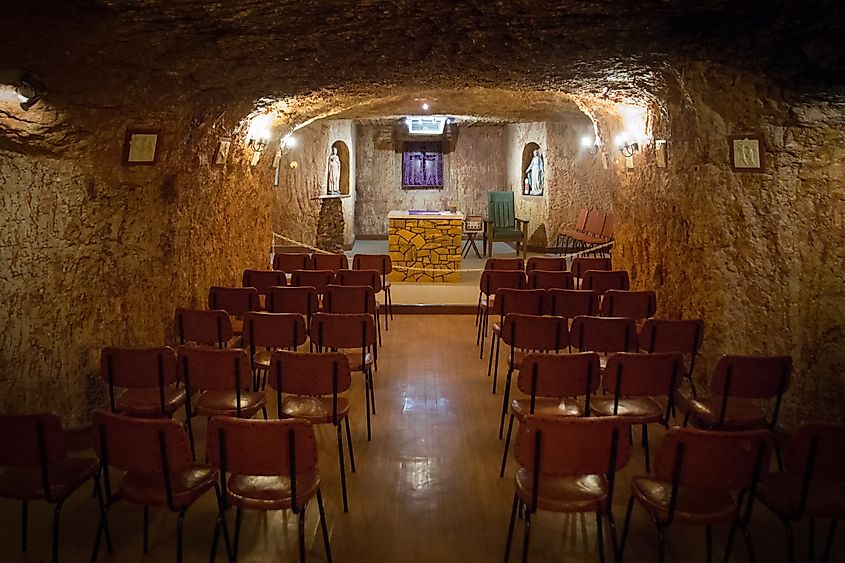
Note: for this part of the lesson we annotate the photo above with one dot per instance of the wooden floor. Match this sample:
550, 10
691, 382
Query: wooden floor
426, 490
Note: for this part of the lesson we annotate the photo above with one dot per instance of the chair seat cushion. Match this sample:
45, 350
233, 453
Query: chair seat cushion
781, 492
546, 407
741, 413
576, 493
148, 488
224, 403
318, 410
271, 492
146, 401
261, 359
508, 234
25, 483
355, 360
694, 506
636, 410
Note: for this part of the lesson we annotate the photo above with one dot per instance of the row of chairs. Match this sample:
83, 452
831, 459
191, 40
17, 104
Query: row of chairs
593, 227
580, 264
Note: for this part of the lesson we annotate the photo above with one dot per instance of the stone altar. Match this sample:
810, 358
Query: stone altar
425, 239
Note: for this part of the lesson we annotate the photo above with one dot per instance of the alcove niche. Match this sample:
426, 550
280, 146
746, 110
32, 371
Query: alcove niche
343, 153
527, 155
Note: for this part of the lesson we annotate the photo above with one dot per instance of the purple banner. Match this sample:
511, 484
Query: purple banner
422, 165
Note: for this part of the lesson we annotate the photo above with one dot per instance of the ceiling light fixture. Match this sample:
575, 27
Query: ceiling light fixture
29, 91
425, 106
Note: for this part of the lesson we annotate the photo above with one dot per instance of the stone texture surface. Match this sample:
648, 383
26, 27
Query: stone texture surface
433, 245
330, 225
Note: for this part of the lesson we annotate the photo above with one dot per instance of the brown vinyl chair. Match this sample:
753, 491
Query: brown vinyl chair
571, 303
549, 279
267, 465
527, 334
237, 301
384, 266
525, 301
506, 264
581, 265
565, 236
354, 299
318, 279
218, 382
567, 464
684, 336
148, 377
333, 262
812, 485
308, 386
262, 280
355, 336
636, 381
370, 278
604, 280
203, 327
158, 470
301, 300
637, 305
604, 335
490, 283
546, 264
553, 382
288, 262
265, 333
34, 465
702, 477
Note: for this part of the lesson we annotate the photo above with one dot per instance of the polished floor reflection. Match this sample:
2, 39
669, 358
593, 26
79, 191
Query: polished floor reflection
426, 488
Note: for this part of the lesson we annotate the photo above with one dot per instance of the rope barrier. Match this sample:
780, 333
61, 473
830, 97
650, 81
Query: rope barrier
437, 270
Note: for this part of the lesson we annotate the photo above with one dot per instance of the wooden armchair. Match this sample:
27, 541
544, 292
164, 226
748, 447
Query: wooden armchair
502, 223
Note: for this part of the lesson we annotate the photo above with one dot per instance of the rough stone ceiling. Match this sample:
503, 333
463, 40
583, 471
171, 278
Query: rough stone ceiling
112, 53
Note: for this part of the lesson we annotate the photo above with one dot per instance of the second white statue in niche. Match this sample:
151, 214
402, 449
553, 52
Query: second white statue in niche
534, 174
334, 173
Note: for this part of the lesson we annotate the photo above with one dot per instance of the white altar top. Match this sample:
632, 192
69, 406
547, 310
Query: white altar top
422, 214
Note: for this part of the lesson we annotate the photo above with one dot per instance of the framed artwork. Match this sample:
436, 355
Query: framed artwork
747, 153
141, 147
222, 152
660, 153
422, 166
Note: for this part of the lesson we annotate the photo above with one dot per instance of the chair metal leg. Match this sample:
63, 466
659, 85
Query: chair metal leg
324, 527
342, 468
505, 398
661, 542
264, 412
190, 429
372, 392
510, 528
749, 544
729, 544
526, 535
507, 446
490, 359
790, 541
625, 526
390, 306
349, 443
484, 320
146, 529
98, 492
238, 517
811, 540
302, 534
828, 544
24, 524
600, 536
180, 524
708, 533
56, 514
645, 449
367, 406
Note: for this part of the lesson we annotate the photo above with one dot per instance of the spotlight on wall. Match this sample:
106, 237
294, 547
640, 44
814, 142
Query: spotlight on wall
627, 147
259, 133
288, 142
589, 144
29, 91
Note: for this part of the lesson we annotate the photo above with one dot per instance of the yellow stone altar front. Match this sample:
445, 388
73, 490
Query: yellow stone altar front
429, 240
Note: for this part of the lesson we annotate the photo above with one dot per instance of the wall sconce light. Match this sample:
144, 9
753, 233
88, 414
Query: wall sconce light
626, 147
288, 142
29, 91
590, 145
259, 133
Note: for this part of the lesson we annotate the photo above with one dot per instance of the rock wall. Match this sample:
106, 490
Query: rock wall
474, 167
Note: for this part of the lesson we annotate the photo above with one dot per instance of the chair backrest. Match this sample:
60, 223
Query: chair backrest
289, 261
378, 262
261, 447
607, 229
544, 263
261, 280
581, 265
350, 299
500, 209
211, 328
819, 443
535, 332
274, 330
493, 280
333, 262
604, 280
343, 330
236, 301
318, 279
360, 277
662, 335
301, 300
751, 377
302, 373
22, 436
712, 460
135, 444
216, 370
138, 367
604, 334
559, 375
595, 221
572, 445
504, 264
571, 303
651, 375
527, 301
546, 279
633, 304
581, 220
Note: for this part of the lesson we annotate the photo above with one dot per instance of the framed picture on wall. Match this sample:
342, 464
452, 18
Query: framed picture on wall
141, 147
747, 153
222, 151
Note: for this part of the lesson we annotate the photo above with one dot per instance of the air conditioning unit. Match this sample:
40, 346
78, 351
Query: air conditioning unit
425, 124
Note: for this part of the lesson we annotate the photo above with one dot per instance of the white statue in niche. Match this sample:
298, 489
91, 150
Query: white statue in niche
534, 174
334, 173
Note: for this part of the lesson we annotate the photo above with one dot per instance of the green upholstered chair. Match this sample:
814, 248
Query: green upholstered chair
502, 223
